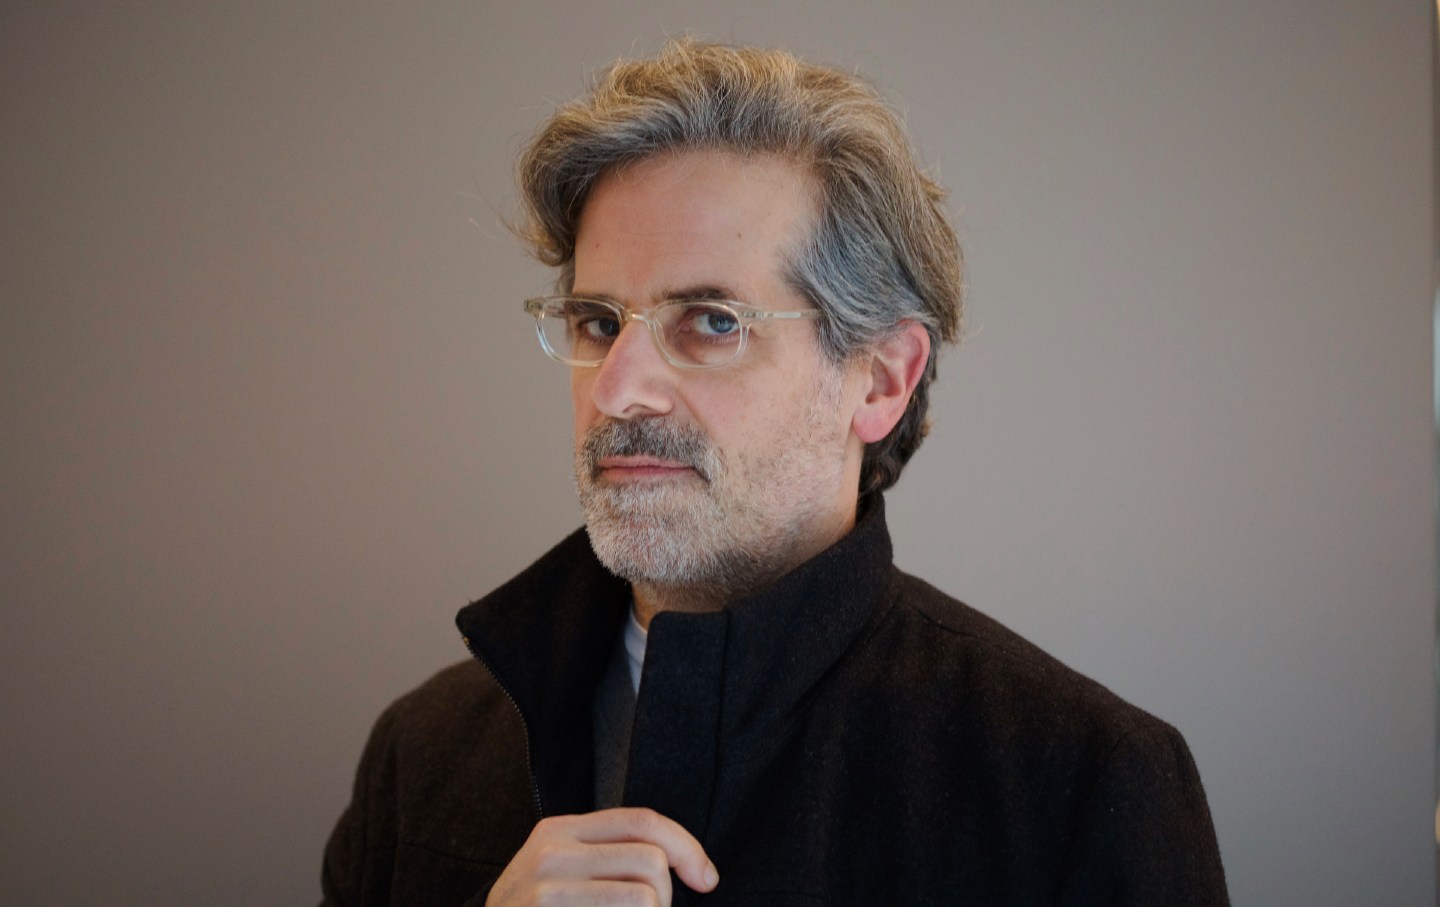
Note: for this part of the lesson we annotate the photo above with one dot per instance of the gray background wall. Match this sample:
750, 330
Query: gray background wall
271, 412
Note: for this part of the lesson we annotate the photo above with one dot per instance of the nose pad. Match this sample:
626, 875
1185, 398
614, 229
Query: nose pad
634, 380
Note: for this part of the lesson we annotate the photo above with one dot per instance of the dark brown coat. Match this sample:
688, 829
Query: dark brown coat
850, 736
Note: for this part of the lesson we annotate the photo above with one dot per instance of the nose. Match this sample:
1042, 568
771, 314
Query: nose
634, 380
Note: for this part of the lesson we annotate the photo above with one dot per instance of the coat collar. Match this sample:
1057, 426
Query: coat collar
712, 682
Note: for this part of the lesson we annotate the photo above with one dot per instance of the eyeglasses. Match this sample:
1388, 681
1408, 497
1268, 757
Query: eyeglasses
690, 333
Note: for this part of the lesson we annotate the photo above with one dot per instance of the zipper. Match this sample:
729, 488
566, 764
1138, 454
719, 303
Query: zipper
529, 753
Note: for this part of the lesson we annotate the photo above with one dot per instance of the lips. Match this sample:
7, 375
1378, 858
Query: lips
639, 449
640, 467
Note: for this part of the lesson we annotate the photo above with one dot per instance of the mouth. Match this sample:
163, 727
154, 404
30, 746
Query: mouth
637, 468
650, 452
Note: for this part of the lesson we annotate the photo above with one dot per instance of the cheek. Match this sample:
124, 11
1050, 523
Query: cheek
744, 421
581, 400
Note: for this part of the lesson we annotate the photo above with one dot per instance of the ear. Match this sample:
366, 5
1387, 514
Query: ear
896, 364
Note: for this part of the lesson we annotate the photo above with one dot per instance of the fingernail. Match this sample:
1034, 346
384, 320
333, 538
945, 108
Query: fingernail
712, 875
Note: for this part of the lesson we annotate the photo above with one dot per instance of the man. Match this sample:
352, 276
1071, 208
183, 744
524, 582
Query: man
723, 676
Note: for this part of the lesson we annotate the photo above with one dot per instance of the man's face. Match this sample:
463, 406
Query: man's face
716, 481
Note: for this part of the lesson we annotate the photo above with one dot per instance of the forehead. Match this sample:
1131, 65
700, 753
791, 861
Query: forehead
701, 217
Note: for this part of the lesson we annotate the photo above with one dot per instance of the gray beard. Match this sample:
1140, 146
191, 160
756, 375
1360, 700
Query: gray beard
679, 534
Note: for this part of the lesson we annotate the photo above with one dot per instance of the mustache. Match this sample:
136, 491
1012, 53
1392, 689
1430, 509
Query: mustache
653, 437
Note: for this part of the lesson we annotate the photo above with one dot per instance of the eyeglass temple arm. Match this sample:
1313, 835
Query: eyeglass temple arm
764, 316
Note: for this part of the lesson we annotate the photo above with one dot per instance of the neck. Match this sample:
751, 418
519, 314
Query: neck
652, 598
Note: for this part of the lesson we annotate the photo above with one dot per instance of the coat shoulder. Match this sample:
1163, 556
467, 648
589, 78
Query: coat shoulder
451, 695
970, 654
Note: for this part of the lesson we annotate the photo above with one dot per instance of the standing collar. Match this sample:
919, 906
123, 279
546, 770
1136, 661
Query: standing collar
548, 633
782, 640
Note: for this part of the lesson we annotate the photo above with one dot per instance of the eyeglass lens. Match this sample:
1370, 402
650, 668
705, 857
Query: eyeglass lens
695, 333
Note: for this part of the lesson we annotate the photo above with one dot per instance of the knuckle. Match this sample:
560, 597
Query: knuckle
654, 862
553, 824
550, 859
632, 896
543, 829
544, 894
646, 822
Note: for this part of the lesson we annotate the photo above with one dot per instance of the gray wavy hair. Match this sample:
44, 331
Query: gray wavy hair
882, 251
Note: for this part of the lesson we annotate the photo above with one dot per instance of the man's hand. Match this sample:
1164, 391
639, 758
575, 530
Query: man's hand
615, 856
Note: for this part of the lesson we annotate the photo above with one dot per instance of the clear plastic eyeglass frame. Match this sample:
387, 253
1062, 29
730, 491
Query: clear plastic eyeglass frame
689, 333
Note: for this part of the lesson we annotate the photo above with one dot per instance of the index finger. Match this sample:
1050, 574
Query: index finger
633, 823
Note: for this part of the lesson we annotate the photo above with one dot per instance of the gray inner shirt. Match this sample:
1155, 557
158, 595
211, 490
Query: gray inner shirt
613, 714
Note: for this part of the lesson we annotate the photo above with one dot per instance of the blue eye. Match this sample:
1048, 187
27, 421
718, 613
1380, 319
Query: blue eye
713, 321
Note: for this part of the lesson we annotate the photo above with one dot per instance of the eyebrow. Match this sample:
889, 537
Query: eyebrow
704, 291
711, 291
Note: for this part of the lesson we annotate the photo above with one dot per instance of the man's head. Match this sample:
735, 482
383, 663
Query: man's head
733, 174
880, 252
